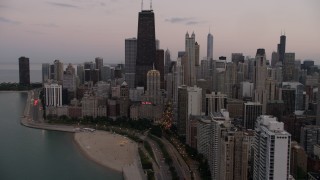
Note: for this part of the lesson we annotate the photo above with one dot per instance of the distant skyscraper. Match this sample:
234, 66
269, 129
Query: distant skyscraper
288, 66
24, 71
80, 73
58, 71
260, 94
282, 48
271, 150
106, 73
130, 61
318, 102
237, 58
310, 136
99, 62
89, 65
146, 46
45, 72
274, 59
159, 65
189, 64
167, 59
210, 46
153, 86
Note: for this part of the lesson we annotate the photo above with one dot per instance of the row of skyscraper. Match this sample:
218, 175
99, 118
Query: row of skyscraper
242, 114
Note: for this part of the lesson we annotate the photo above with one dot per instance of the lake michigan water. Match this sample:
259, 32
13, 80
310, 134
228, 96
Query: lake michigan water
27, 153
9, 72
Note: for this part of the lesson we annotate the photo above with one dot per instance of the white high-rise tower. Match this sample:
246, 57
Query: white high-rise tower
271, 149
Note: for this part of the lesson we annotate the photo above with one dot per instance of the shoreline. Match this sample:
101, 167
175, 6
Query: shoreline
112, 151
128, 163
8, 91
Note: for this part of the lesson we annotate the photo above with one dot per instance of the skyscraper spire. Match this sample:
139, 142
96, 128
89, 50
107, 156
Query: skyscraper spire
141, 5
150, 4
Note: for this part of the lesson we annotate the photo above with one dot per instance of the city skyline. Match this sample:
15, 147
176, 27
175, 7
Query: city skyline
76, 31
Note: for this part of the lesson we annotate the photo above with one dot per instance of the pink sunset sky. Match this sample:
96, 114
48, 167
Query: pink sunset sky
80, 30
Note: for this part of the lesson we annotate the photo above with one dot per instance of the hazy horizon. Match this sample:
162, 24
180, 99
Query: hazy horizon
77, 30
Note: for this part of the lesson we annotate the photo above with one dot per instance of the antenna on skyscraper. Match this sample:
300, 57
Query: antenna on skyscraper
150, 4
141, 5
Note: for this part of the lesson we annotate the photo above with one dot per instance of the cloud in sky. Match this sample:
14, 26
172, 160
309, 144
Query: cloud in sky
9, 21
184, 20
47, 25
62, 5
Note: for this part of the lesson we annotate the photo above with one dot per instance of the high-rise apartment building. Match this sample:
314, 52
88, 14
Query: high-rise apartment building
310, 136
215, 102
235, 155
252, 110
130, 61
292, 96
24, 71
189, 103
271, 150
146, 47
53, 94
210, 46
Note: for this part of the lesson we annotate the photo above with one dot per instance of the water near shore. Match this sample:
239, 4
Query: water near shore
27, 153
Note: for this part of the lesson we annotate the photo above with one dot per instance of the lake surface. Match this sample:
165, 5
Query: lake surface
27, 153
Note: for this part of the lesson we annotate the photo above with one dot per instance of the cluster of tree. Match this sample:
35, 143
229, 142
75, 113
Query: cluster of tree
139, 124
166, 156
204, 168
156, 130
146, 164
123, 132
149, 149
18, 87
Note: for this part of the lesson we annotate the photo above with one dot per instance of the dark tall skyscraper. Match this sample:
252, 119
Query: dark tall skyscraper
146, 46
282, 48
24, 71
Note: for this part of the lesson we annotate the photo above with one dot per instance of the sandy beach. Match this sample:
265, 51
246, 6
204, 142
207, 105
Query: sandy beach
111, 150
